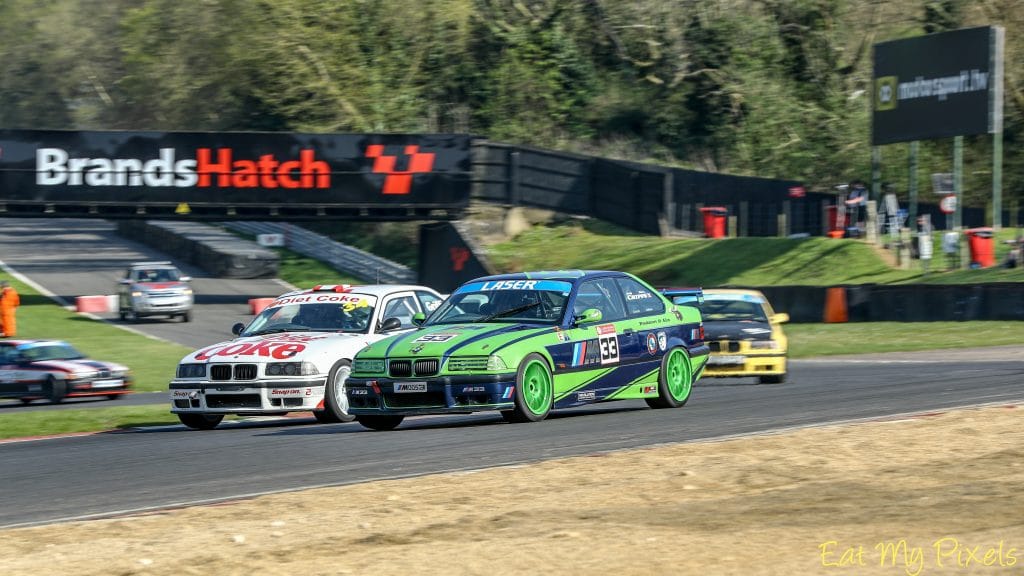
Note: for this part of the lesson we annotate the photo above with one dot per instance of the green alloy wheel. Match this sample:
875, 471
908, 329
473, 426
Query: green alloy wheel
674, 381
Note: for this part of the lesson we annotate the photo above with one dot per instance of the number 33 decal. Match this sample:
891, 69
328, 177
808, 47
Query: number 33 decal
609, 343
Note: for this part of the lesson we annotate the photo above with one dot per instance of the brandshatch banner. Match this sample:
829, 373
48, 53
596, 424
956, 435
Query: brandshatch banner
244, 174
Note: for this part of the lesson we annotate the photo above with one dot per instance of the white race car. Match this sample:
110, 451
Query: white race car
295, 355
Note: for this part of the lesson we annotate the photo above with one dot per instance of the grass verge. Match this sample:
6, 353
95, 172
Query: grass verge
591, 244
807, 340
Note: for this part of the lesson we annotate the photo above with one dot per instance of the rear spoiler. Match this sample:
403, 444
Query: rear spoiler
684, 296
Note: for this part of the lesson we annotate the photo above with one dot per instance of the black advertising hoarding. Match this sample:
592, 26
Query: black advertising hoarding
447, 260
938, 85
234, 174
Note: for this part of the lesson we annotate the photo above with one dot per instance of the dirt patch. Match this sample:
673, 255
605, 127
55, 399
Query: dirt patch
936, 494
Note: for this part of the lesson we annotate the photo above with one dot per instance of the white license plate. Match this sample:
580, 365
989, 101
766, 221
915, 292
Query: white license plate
108, 383
725, 360
410, 386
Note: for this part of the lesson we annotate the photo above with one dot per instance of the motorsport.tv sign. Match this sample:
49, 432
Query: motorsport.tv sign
224, 173
938, 85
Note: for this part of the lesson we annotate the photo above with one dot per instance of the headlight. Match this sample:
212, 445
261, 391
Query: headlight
81, 375
191, 370
764, 345
372, 366
495, 362
291, 369
187, 291
137, 293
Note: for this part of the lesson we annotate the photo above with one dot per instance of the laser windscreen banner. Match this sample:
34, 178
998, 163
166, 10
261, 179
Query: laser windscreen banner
225, 173
938, 85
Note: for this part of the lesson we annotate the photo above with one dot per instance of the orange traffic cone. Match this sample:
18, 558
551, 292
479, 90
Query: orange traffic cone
835, 305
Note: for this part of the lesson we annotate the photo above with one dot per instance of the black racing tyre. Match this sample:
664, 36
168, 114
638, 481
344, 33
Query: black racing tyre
324, 417
57, 389
772, 379
186, 316
122, 315
114, 396
26, 401
675, 380
201, 421
335, 399
535, 390
380, 421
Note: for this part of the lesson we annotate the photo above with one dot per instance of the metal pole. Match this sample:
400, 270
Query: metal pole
958, 191
997, 180
876, 173
912, 185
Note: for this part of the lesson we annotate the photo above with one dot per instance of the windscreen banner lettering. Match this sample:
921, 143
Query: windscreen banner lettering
489, 286
268, 349
356, 301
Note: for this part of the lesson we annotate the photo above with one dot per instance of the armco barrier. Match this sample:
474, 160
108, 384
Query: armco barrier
216, 251
903, 302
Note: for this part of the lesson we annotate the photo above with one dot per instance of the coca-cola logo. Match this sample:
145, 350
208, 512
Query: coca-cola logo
279, 350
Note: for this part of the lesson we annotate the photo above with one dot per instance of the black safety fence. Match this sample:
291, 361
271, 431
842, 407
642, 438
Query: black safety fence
234, 175
903, 302
663, 200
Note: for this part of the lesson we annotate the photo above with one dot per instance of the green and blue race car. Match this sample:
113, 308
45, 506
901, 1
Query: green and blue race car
528, 343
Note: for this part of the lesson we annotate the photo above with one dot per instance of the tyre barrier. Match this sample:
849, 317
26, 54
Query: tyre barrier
256, 305
96, 304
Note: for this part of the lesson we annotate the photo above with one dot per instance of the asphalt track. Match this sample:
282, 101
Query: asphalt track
79, 477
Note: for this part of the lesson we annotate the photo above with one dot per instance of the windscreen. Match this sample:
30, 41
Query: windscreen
531, 301
315, 313
55, 351
732, 307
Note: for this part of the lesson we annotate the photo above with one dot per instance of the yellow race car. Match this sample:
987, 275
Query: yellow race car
743, 332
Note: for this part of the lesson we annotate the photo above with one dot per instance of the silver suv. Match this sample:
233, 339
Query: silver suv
154, 289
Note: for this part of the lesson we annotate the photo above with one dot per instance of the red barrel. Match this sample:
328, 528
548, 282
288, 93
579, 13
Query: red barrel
714, 221
980, 240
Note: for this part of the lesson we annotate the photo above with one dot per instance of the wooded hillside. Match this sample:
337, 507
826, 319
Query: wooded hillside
777, 88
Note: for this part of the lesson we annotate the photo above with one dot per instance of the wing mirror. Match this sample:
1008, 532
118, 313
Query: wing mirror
589, 315
418, 318
237, 328
390, 324
780, 318
124, 281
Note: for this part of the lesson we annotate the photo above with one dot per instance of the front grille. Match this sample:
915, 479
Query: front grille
734, 346
426, 367
181, 403
400, 368
245, 371
233, 400
104, 374
714, 346
220, 372
475, 364
415, 399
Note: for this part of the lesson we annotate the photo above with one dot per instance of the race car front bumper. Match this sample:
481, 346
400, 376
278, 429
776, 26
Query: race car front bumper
256, 397
162, 304
732, 365
437, 395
